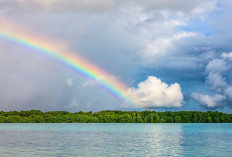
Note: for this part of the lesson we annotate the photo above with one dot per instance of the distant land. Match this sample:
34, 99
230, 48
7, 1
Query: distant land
108, 116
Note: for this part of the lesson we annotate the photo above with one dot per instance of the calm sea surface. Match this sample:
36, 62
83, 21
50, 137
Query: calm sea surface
115, 140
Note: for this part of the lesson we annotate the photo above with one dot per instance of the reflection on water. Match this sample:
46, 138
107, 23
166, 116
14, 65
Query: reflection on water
115, 139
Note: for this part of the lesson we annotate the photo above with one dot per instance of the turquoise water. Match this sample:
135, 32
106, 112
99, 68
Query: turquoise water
115, 140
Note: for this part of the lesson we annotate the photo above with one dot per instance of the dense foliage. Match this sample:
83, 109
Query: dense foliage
36, 116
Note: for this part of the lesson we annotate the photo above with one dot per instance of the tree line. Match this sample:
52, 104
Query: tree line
36, 116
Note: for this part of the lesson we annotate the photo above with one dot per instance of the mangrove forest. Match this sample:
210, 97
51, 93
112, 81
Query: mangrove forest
36, 116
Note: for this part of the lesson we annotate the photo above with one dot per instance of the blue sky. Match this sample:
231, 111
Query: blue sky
172, 55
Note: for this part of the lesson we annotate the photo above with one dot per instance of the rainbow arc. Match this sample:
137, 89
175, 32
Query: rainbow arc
106, 81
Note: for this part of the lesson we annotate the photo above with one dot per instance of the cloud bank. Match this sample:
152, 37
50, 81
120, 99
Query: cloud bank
218, 80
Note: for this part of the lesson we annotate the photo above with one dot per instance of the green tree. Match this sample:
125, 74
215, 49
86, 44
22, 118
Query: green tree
177, 119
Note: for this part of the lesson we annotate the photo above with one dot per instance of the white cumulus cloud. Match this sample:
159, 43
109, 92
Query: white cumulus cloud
217, 65
210, 101
227, 55
155, 93
216, 81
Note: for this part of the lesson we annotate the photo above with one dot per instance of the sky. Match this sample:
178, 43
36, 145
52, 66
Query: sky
171, 54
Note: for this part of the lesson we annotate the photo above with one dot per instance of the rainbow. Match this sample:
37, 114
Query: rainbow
71, 60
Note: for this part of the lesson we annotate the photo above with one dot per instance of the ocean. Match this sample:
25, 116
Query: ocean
111, 139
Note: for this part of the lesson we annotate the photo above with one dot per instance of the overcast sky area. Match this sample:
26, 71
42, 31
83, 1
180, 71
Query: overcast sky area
172, 54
